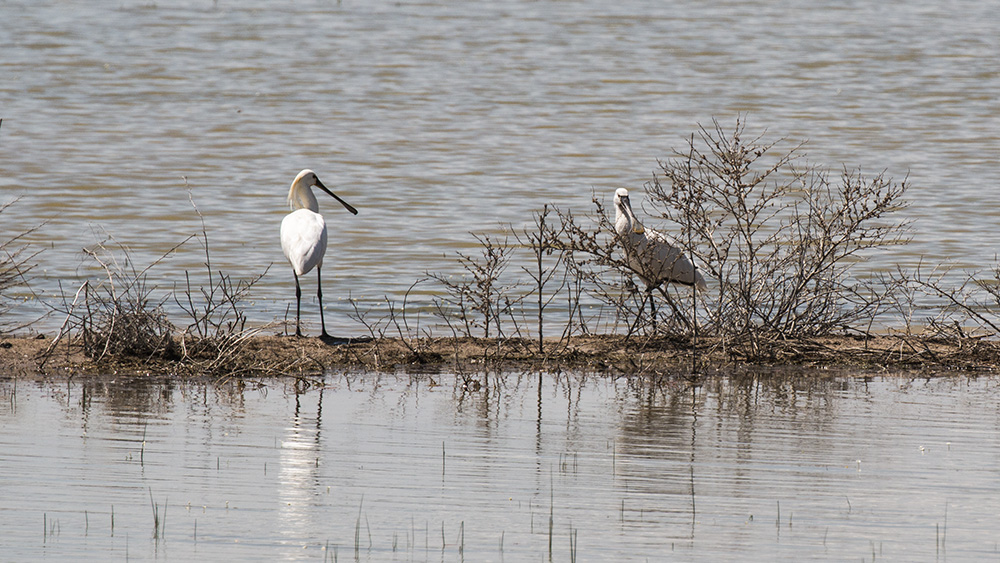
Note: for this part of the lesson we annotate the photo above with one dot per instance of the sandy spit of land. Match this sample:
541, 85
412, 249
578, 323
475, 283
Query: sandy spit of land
267, 355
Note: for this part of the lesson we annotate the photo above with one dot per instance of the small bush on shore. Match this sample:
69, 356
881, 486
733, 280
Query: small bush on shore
782, 238
15, 263
117, 318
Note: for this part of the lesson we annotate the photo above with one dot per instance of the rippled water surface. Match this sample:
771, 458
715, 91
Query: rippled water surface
519, 468
439, 118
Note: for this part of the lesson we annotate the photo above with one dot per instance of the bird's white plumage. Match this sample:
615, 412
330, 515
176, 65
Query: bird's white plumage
303, 240
651, 254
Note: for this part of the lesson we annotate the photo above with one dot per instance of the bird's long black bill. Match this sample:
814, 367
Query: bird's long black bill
346, 205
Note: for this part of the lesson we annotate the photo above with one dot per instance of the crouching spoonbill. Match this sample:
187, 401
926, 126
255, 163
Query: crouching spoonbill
303, 237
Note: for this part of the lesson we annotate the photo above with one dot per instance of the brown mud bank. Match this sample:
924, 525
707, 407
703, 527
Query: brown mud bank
264, 355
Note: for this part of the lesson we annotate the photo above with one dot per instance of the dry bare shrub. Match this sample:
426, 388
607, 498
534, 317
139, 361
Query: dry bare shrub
119, 316
970, 309
15, 263
544, 242
778, 239
779, 236
415, 339
479, 301
215, 338
116, 318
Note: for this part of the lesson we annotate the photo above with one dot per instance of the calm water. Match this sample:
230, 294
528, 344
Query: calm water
440, 118
377, 468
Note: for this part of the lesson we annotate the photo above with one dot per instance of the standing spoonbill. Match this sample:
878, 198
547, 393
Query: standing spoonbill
651, 254
303, 237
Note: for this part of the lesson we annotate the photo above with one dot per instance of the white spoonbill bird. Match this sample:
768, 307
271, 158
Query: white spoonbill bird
651, 254
303, 237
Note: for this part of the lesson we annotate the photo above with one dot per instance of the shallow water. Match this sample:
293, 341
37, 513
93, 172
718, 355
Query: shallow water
376, 467
440, 118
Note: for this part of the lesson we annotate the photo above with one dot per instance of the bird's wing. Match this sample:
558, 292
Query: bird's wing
663, 260
303, 240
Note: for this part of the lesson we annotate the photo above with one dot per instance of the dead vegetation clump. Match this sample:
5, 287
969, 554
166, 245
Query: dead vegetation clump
118, 316
116, 319
781, 237
15, 264
780, 241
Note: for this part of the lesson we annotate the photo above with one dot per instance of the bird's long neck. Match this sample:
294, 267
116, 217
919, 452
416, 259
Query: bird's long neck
623, 223
300, 196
